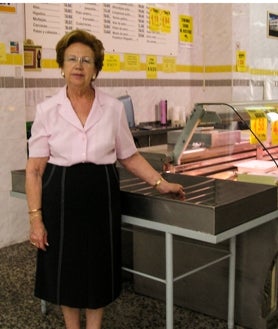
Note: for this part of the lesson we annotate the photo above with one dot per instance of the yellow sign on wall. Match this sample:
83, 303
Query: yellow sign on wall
154, 19
151, 67
165, 21
186, 28
111, 63
274, 133
132, 62
159, 20
169, 64
241, 61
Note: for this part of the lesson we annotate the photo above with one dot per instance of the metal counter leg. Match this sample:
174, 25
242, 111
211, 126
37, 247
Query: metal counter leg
169, 280
232, 274
43, 306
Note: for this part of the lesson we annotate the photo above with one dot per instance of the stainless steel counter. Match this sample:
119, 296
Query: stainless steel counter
215, 211
211, 205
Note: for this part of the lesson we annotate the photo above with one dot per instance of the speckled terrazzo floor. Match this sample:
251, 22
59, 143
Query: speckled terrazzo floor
20, 310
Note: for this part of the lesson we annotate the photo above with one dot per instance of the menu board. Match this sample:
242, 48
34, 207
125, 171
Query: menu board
122, 27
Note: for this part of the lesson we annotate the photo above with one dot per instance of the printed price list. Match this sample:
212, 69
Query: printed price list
122, 27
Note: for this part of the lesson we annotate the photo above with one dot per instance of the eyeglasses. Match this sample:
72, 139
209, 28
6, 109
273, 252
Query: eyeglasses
82, 60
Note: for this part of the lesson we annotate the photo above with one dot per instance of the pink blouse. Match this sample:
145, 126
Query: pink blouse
58, 134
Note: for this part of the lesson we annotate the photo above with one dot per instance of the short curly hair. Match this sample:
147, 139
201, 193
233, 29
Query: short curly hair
83, 37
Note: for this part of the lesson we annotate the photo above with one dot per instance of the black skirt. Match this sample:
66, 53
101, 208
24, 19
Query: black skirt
81, 212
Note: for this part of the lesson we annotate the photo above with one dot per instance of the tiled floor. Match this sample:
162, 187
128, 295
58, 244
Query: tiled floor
20, 310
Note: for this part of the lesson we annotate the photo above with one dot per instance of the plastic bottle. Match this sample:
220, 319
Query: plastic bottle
163, 112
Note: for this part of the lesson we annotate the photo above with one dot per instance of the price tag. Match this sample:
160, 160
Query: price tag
258, 124
151, 67
154, 19
169, 64
132, 62
274, 133
241, 61
165, 21
111, 63
159, 20
274, 126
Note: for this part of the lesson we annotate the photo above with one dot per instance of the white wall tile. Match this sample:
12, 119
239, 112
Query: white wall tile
14, 226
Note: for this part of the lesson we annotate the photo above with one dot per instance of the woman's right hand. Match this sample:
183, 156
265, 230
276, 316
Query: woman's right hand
38, 234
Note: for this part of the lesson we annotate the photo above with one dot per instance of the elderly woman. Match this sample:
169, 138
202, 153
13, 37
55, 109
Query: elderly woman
72, 186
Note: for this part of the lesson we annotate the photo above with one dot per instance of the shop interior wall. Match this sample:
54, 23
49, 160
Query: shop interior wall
219, 31
13, 211
263, 51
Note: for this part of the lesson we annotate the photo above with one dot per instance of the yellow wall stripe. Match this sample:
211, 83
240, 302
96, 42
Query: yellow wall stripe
12, 59
17, 59
218, 68
49, 64
263, 72
190, 68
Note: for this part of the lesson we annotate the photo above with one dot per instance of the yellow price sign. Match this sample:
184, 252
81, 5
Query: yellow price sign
159, 20
111, 63
154, 19
258, 124
132, 62
151, 67
274, 133
241, 60
169, 64
165, 21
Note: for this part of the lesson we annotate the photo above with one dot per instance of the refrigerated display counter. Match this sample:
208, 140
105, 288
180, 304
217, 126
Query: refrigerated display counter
217, 218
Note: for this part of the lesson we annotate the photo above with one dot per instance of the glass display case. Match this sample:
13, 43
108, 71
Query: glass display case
219, 136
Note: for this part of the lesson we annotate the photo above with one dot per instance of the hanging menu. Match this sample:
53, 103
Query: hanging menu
122, 27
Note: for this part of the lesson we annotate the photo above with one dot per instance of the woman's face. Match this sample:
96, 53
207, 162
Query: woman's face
79, 67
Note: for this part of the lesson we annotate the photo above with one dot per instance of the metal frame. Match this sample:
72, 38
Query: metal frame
170, 230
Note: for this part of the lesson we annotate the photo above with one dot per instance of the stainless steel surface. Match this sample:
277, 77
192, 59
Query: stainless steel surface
18, 181
213, 205
202, 192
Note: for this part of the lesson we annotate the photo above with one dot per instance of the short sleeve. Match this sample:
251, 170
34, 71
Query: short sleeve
38, 142
125, 145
